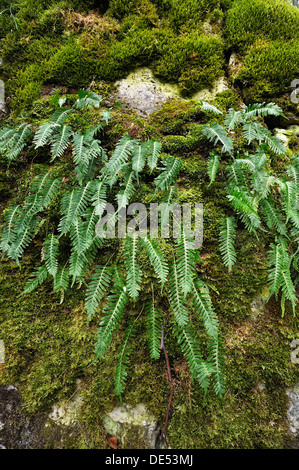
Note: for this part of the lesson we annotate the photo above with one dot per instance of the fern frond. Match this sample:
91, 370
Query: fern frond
60, 142
203, 305
36, 279
216, 133
87, 98
98, 285
12, 141
262, 109
154, 319
45, 133
74, 204
176, 298
216, 358
246, 207
23, 239
199, 369
131, 251
113, 313
125, 194
227, 241
156, 258
123, 358
61, 279
272, 216
185, 263
139, 156
51, 250
209, 108
122, 151
213, 165
154, 150
169, 174
9, 234
233, 118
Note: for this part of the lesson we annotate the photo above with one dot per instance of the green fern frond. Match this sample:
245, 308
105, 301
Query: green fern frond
227, 241
217, 134
262, 109
213, 165
122, 152
12, 141
203, 305
123, 358
51, 250
175, 297
233, 118
9, 234
169, 174
272, 216
131, 251
36, 279
61, 280
88, 98
216, 358
154, 319
113, 313
74, 204
60, 142
139, 156
156, 258
246, 206
45, 133
185, 263
98, 285
209, 108
154, 151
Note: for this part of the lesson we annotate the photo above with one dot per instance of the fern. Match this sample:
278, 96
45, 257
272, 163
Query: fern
213, 165
156, 258
176, 298
60, 142
227, 240
169, 174
185, 263
216, 358
113, 313
153, 327
154, 150
217, 134
98, 285
122, 364
132, 267
203, 305
51, 249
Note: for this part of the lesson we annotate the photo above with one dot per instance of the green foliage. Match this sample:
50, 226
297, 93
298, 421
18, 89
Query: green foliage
97, 179
262, 201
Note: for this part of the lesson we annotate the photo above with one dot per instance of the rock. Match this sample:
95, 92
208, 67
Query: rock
285, 134
144, 93
293, 411
134, 427
67, 414
234, 65
258, 305
209, 95
2, 98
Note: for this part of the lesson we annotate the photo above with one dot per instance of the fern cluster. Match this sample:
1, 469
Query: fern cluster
261, 200
100, 178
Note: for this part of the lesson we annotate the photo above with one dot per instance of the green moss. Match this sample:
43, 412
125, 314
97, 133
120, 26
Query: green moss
248, 21
269, 68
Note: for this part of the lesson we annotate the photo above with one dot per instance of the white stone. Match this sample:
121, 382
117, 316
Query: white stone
209, 95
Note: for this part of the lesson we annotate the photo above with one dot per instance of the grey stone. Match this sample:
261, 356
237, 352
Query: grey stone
133, 426
144, 93
293, 410
2, 97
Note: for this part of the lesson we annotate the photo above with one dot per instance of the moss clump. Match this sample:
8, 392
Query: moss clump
193, 61
269, 68
248, 21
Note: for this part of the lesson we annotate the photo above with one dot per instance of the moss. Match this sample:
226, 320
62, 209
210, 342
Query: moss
248, 21
269, 68
193, 61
